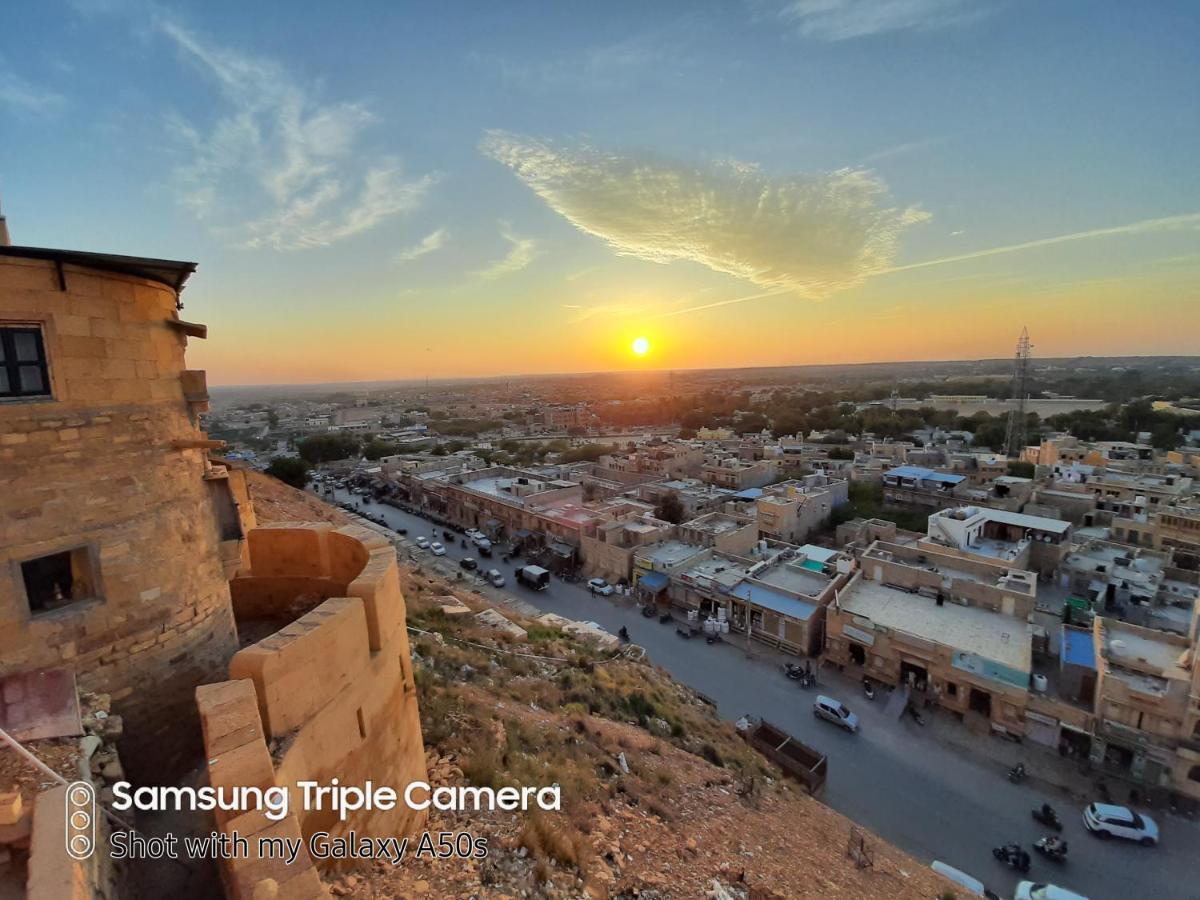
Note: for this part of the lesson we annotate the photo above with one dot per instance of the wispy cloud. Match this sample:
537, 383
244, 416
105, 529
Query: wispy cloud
810, 234
904, 149
841, 20
431, 243
522, 251
24, 97
1182, 222
282, 168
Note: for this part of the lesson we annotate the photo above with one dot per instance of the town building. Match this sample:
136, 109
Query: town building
1148, 705
1017, 540
926, 622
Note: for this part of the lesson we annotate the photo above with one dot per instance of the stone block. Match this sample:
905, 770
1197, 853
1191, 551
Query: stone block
11, 808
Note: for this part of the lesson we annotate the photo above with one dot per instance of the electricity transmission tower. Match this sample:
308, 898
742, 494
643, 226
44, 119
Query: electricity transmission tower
1014, 438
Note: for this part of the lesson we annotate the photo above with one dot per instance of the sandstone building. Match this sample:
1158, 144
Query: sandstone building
117, 536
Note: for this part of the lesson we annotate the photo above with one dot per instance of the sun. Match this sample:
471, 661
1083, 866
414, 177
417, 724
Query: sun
641, 346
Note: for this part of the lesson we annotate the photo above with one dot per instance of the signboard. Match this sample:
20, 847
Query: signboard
985, 668
863, 637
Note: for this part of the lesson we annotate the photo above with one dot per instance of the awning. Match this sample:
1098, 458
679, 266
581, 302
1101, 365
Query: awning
654, 581
523, 533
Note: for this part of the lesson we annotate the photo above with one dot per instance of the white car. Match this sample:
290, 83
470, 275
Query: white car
423, 543
473, 533
495, 578
437, 549
481, 542
836, 712
1106, 820
600, 586
1033, 890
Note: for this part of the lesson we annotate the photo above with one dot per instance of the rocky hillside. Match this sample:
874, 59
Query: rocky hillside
275, 501
661, 798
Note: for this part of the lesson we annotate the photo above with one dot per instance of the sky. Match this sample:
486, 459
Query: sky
383, 190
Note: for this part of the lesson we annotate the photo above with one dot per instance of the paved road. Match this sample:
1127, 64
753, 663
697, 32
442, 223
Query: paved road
891, 777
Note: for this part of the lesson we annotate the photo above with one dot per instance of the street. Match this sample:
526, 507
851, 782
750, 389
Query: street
891, 777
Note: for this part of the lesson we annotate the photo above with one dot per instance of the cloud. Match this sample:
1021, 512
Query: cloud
1186, 221
841, 20
280, 168
522, 252
22, 96
811, 234
431, 243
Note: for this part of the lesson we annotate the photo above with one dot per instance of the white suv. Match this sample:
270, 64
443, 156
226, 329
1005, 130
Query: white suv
1032, 890
1105, 820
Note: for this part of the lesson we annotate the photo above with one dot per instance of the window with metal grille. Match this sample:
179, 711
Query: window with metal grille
23, 371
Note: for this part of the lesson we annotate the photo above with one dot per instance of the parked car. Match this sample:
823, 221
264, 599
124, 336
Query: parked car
1033, 890
599, 586
469, 564
437, 549
481, 542
963, 880
1106, 820
495, 578
401, 531
423, 542
473, 533
836, 712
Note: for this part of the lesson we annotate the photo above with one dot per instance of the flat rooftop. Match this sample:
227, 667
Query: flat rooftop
795, 579
669, 553
1126, 646
715, 523
993, 636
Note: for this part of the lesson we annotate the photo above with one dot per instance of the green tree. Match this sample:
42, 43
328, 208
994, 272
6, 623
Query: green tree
377, 448
289, 470
327, 447
1019, 469
669, 509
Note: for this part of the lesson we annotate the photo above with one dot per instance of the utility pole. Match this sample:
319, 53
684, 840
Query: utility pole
1015, 437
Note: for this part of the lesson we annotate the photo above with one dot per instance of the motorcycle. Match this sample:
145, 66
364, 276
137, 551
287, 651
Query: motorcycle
623, 634
712, 638
793, 671
648, 612
1017, 773
1052, 847
664, 618
683, 633
1012, 856
868, 689
1046, 815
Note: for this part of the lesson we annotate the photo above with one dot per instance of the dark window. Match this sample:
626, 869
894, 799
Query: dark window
58, 580
951, 689
23, 371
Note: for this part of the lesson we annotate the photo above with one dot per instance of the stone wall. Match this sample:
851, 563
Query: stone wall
98, 467
333, 691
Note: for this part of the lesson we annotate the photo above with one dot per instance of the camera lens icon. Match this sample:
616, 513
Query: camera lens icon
80, 820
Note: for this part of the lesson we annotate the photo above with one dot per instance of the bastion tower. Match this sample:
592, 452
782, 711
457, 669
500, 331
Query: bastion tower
117, 535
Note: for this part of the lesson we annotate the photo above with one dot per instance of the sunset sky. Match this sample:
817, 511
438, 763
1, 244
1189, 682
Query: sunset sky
396, 190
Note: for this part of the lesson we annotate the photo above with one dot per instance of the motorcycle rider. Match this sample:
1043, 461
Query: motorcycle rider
1048, 813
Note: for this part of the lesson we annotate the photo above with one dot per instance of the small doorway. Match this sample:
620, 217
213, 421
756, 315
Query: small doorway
915, 676
858, 654
980, 702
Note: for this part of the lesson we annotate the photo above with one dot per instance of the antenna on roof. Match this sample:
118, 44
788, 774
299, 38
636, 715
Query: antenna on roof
5, 240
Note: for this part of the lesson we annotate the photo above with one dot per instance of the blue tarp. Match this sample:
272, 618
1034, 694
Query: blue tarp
749, 494
1078, 649
924, 474
653, 581
773, 600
